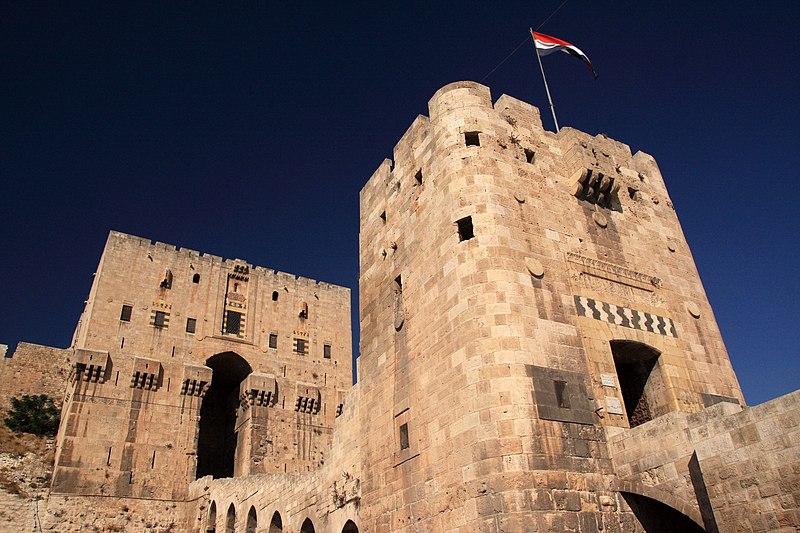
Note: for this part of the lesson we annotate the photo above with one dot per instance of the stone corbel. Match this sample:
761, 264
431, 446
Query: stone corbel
90, 365
146, 374
196, 380
308, 399
258, 390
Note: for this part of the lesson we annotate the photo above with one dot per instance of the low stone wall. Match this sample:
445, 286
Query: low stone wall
750, 464
727, 468
74, 514
33, 369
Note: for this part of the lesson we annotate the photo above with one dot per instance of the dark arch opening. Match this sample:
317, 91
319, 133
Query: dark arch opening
252, 521
274, 296
350, 527
656, 517
216, 441
196, 278
276, 525
230, 520
211, 525
307, 526
640, 381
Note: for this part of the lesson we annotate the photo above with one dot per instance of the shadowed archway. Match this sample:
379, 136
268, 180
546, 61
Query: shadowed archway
211, 525
641, 383
252, 521
350, 527
216, 442
276, 525
656, 517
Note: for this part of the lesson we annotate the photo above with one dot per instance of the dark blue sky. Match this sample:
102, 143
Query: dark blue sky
248, 132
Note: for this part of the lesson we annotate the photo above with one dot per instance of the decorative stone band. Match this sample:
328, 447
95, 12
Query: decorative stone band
624, 316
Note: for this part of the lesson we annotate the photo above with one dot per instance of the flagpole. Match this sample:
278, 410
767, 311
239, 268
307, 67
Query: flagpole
546, 88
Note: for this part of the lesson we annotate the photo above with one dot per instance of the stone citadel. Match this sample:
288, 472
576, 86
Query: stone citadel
537, 354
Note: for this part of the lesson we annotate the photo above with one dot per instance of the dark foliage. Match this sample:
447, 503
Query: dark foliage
33, 414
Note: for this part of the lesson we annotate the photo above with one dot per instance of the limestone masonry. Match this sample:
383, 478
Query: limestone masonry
537, 354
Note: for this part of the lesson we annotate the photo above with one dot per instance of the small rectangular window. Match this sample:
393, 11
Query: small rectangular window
160, 319
404, 436
326, 351
530, 156
191, 325
562, 395
125, 315
233, 324
273, 340
300, 346
471, 138
465, 230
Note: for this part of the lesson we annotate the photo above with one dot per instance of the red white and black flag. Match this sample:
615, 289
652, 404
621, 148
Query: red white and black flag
547, 45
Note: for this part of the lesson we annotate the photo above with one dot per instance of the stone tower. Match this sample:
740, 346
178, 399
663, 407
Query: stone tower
189, 365
537, 354
525, 297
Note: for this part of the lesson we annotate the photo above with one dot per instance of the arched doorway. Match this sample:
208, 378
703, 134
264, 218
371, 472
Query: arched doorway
230, 520
640, 381
307, 526
216, 442
252, 521
211, 524
656, 517
350, 527
276, 525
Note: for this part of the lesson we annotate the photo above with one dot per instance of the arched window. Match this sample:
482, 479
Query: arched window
307, 527
350, 527
230, 520
641, 382
276, 525
211, 525
274, 296
252, 521
196, 278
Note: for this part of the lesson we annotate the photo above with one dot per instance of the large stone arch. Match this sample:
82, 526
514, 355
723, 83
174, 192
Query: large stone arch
216, 441
668, 499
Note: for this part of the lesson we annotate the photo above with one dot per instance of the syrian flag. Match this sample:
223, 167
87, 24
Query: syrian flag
547, 45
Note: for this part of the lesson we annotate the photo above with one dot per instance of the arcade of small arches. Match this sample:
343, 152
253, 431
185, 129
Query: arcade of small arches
253, 525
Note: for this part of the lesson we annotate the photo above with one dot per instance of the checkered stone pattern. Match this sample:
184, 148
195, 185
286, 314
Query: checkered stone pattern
624, 316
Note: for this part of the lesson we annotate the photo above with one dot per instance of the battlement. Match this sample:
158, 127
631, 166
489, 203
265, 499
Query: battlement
159, 250
472, 106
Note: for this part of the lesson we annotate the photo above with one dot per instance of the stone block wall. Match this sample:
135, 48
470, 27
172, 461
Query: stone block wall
728, 468
182, 358
33, 369
499, 262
